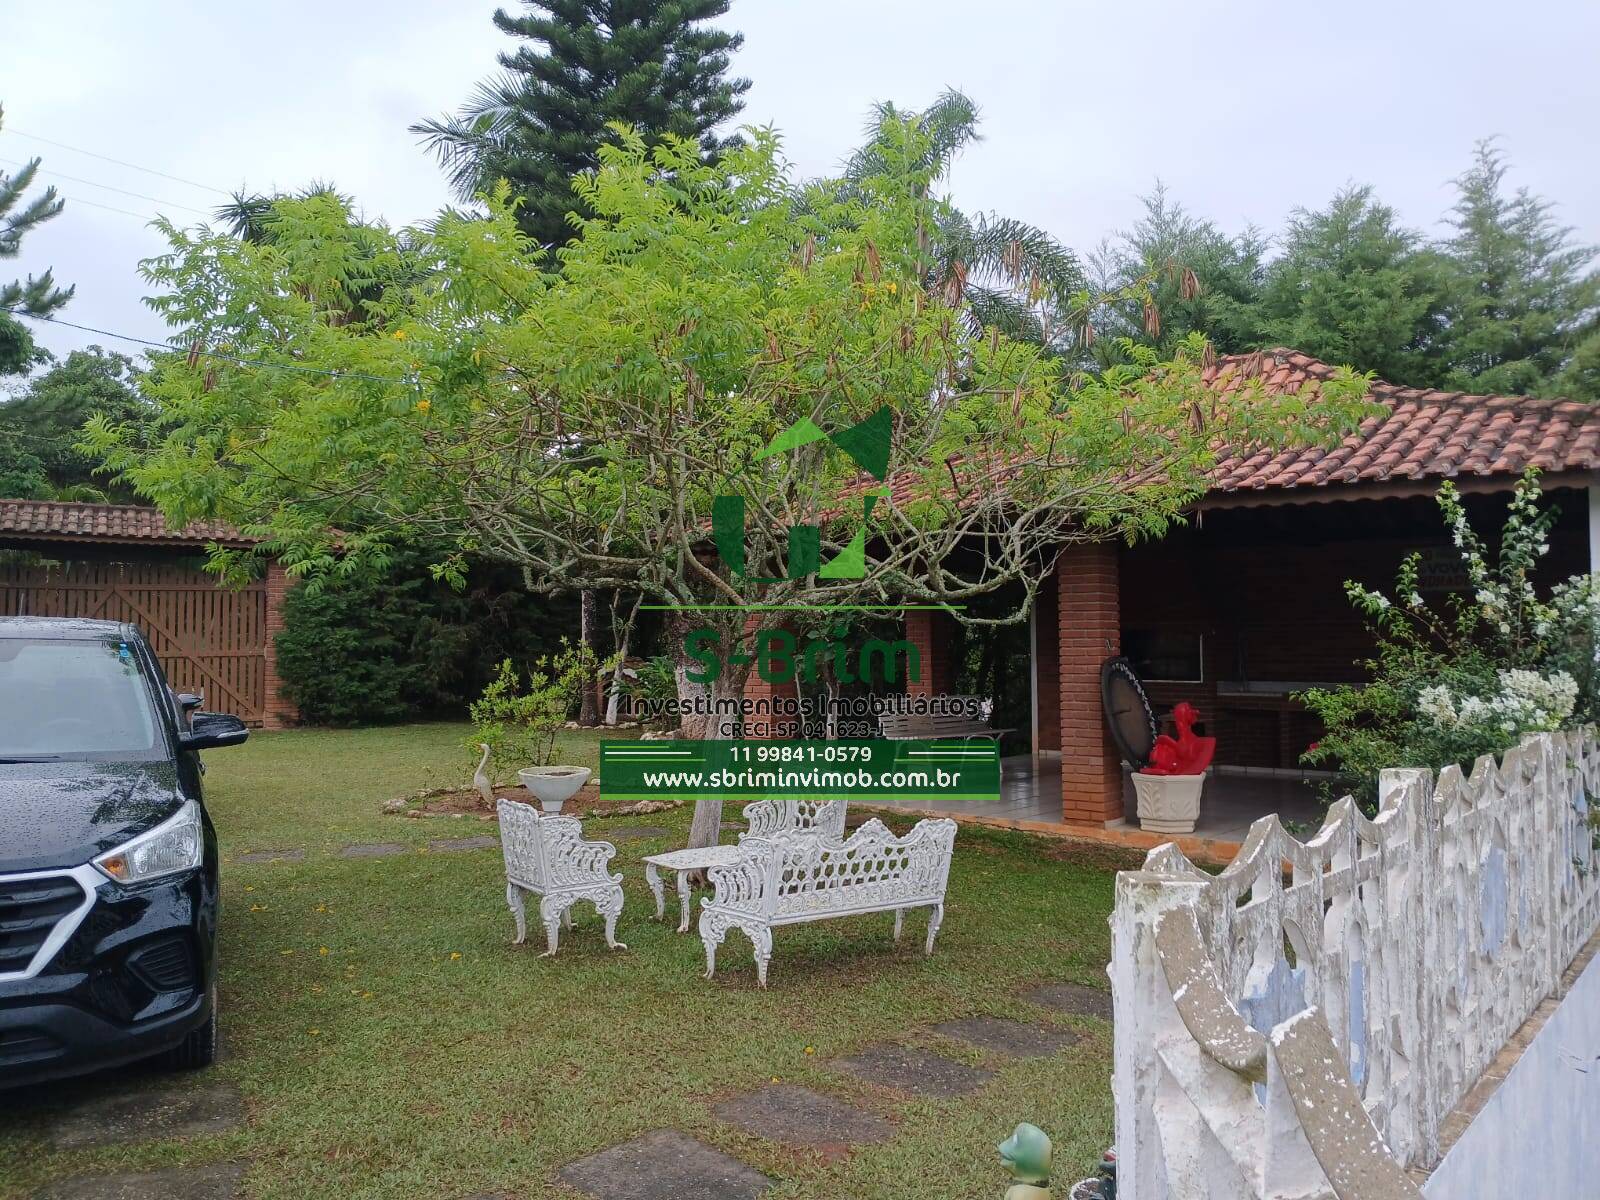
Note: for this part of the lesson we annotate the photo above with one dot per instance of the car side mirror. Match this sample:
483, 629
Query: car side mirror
188, 704
208, 731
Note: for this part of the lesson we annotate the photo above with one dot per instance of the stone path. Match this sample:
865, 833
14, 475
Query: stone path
1073, 999
373, 850
219, 1181
909, 1069
669, 1165
664, 1165
797, 1116
143, 1115
129, 1109
455, 845
1012, 1038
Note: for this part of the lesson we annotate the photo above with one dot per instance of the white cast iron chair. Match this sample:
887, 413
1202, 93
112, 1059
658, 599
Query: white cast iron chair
546, 855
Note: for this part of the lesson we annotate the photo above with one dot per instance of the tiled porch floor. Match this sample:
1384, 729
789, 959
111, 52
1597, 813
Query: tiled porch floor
1228, 805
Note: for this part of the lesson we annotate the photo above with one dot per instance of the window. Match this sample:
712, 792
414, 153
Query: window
75, 700
1165, 655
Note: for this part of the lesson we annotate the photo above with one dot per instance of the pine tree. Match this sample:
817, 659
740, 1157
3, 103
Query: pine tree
37, 295
1353, 286
646, 63
1202, 281
1524, 295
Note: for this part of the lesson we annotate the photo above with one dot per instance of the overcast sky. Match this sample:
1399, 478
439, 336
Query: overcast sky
1245, 108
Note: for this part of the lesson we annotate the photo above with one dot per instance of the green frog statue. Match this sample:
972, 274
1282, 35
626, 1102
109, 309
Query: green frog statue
1026, 1154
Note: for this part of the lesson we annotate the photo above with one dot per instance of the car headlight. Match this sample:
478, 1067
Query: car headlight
177, 844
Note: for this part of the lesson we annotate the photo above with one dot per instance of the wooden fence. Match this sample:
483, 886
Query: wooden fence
211, 641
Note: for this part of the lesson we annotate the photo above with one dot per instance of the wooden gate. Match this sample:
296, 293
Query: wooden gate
211, 640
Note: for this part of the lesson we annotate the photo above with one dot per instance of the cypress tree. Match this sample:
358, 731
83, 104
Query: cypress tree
652, 64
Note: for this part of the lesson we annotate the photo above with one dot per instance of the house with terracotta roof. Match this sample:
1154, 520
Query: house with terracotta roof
121, 562
1245, 604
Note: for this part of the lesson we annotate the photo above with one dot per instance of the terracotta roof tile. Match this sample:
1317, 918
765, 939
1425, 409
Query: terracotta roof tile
69, 520
1424, 433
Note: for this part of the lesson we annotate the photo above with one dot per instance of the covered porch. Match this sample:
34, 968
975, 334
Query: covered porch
1245, 606
1031, 799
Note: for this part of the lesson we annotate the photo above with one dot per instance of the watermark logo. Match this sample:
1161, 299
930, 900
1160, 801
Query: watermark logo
867, 444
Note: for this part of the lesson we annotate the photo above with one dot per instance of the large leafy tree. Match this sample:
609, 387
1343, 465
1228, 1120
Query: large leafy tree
582, 425
1353, 285
584, 65
40, 426
37, 295
1525, 293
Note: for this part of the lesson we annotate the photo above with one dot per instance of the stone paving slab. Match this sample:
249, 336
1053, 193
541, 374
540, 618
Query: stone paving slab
147, 1116
218, 1181
374, 850
1012, 1038
266, 856
797, 1116
1073, 999
912, 1069
663, 1165
629, 833
454, 845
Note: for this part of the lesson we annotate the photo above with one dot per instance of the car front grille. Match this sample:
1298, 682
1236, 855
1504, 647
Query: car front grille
31, 909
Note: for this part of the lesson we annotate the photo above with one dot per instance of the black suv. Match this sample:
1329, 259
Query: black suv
108, 861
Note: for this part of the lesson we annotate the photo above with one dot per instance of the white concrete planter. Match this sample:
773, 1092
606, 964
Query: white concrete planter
1168, 803
554, 786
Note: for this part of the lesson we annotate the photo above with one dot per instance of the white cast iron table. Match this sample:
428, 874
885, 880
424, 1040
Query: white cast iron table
697, 858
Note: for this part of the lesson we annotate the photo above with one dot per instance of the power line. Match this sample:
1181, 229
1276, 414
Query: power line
171, 349
107, 187
145, 217
118, 161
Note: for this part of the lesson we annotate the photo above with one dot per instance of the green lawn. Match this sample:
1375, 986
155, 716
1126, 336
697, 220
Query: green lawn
391, 1042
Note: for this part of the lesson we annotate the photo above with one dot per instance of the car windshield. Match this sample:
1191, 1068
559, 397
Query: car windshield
79, 699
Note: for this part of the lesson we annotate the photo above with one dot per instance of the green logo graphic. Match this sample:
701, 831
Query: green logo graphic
867, 444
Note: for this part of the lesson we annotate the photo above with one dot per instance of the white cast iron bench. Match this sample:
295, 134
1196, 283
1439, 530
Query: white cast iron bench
547, 856
767, 818
788, 880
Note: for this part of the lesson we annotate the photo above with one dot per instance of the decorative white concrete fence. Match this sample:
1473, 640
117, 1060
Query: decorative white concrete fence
1301, 1024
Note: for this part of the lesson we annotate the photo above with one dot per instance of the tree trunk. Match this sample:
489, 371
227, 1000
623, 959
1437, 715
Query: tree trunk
623, 639
706, 828
589, 705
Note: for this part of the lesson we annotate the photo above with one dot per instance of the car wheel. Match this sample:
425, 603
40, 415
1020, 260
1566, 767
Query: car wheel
198, 1048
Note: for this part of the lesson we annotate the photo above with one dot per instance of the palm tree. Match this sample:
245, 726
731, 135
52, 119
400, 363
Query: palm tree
1013, 275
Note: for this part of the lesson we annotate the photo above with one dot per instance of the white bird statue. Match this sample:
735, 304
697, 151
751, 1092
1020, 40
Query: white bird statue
480, 777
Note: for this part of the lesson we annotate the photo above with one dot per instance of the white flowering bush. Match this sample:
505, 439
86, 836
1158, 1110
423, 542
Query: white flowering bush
1498, 662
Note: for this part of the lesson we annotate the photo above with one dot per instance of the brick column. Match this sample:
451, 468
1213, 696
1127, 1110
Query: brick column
1090, 626
278, 711
769, 726
929, 631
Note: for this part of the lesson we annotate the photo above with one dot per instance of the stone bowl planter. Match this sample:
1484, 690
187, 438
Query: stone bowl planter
1168, 803
554, 786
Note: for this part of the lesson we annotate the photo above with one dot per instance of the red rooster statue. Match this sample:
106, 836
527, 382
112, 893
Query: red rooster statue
1187, 754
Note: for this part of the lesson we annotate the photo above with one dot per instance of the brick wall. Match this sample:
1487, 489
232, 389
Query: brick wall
1088, 621
929, 632
279, 711
767, 724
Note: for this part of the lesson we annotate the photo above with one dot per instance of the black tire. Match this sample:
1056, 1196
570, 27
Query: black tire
198, 1048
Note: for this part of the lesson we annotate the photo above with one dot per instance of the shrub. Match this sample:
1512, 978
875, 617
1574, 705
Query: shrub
402, 645
518, 723
1449, 686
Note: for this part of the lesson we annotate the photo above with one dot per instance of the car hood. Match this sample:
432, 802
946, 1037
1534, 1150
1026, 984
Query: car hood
62, 814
